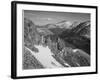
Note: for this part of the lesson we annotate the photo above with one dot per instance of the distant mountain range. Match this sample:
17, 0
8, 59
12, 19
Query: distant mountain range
58, 28
74, 32
82, 28
63, 24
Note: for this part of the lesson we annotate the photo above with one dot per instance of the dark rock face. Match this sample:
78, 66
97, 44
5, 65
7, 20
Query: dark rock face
78, 36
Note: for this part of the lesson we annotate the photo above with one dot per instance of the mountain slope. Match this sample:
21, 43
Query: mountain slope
77, 36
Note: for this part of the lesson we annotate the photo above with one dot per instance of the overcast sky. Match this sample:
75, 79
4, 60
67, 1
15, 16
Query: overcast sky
46, 17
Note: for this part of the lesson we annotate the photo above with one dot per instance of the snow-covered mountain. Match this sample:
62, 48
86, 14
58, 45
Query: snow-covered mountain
64, 24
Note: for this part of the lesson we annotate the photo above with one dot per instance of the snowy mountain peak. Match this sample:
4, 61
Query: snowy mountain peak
64, 24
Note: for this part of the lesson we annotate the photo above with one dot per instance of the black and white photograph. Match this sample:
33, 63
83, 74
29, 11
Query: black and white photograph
56, 39
53, 39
